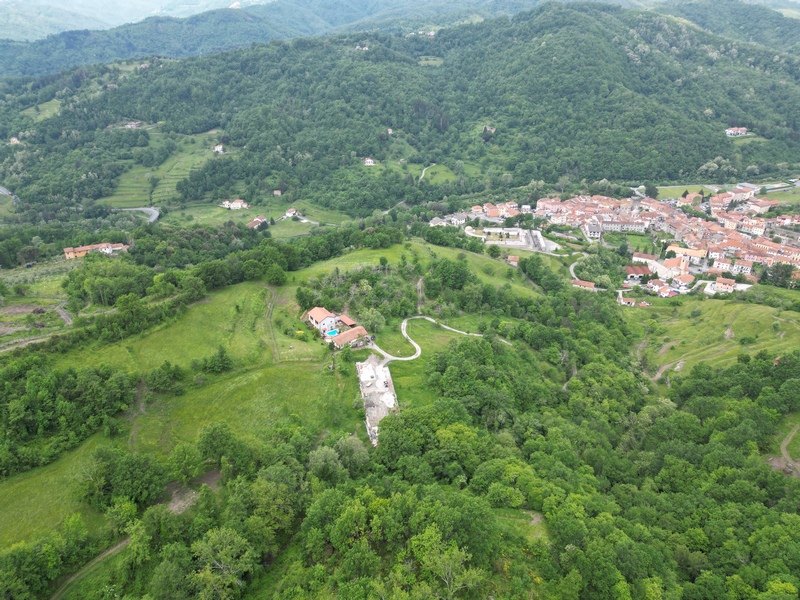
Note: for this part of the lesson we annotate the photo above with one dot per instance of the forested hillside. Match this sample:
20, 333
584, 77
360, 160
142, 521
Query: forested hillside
740, 21
572, 92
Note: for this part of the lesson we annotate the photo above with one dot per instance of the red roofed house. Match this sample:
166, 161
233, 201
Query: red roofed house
636, 273
323, 320
105, 248
349, 336
513, 260
346, 321
583, 285
723, 285
257, 221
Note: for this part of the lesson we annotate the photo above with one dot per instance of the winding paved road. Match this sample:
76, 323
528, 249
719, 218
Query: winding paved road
417, 349
425, 169
152, 213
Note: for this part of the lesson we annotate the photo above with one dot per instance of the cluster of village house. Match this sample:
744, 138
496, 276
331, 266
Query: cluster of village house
241, 205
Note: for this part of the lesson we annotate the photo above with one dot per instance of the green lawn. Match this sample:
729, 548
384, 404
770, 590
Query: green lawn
46, 110
36, 502
748, 139
430, 61
682, 337
288, 228
134, 185
439, 174
676, 191
639, 243
410, 380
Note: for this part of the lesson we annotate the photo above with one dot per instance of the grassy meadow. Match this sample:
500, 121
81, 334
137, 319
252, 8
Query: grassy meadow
43, 111
717, 330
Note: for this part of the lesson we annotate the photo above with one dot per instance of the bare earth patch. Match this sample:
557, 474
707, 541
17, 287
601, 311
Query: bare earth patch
18, 309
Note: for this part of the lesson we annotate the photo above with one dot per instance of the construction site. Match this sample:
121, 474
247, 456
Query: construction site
377, 391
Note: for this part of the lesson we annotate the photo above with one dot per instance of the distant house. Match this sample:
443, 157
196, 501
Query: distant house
14, 141
458, 219
724, 286
389, 131
436, 222
583, 285
257, 221
735, 131
369, 162
723, 264
742, 266
321, 319
476, 210
683, 281
350, 337
636, 273
234, 204
219, 149
277, 193
133, 125
513, 260
291, 212
105, 248
654, 285
627, 301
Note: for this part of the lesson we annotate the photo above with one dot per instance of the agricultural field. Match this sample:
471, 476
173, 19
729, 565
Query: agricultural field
133, 189
676, 338
43, 111
430, 61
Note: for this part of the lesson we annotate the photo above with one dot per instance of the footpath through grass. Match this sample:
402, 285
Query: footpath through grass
717, 330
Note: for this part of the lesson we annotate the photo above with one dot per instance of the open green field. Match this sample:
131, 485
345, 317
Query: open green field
439, 174
134, 185
46, 110
748, 139
682, 336
410, 380
676, 191
288, 228
36, 502
6, 206
639, 243
788, 197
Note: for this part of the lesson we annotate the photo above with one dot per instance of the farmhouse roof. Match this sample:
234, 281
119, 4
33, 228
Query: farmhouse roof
347, 321
348, 336
319, 313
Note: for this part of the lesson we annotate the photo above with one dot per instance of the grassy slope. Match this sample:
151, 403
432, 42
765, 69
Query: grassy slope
46, 110
695, 339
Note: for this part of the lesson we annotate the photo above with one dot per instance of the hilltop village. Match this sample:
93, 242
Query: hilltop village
723, 235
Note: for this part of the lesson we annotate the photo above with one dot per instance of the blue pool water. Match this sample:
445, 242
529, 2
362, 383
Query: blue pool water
333, 332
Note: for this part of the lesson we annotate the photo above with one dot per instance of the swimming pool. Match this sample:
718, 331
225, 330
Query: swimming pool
333, 332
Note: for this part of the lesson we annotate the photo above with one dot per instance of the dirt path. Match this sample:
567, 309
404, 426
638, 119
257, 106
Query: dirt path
63, 314
177, 499
785, 446
419, 295
276, 356
97, 559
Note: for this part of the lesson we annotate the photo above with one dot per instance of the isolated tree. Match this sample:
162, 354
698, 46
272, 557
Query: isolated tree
650, 189
493, 251
185, 462
225, 557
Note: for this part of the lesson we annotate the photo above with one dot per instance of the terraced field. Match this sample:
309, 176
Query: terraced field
45, 110
133, 189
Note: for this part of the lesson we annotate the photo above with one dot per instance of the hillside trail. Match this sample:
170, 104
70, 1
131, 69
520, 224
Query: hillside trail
785, 446
276, 356
424, 170
97, 559
179, 500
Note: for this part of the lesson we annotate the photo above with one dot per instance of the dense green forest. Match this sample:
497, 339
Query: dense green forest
740, 21
619, 95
